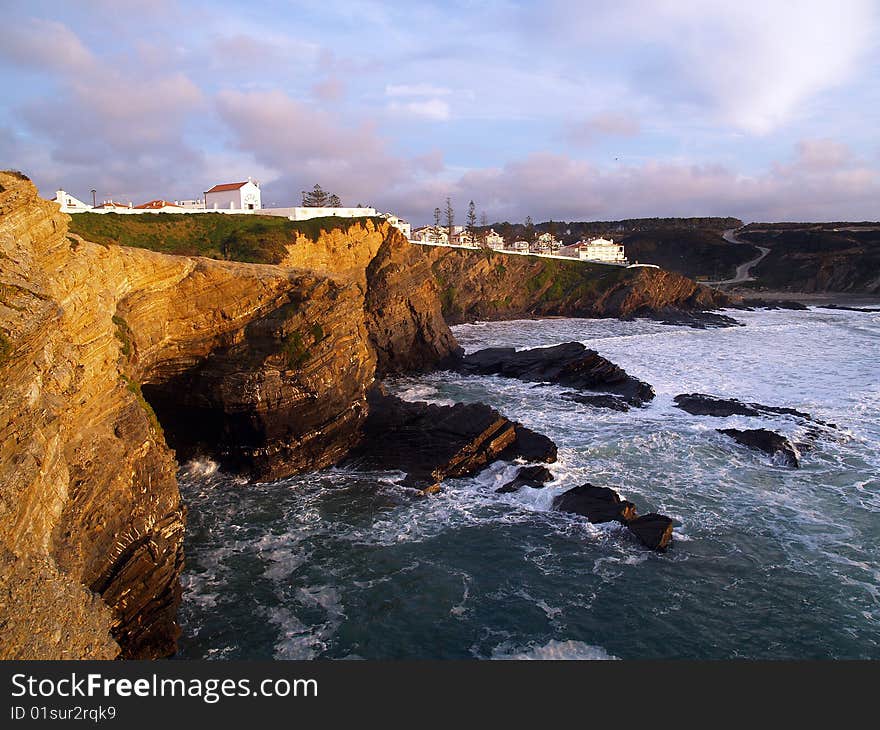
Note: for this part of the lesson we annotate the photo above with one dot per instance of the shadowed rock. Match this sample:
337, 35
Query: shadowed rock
431, 442
597, 504
769, 442
700, 404
695, 319
653, 530
611, 402
527, 476
570, 364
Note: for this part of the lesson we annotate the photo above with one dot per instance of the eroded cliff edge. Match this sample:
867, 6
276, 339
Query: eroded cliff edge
480, 284
268, 365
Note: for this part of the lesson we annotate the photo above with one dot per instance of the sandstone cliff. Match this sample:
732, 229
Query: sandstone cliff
265, 367
491, 286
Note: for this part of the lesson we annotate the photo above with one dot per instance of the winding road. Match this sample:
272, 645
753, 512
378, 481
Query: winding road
743, 270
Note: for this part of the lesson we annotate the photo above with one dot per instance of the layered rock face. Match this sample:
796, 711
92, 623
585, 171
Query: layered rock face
491, 286
88, 497
266, 367
401, 303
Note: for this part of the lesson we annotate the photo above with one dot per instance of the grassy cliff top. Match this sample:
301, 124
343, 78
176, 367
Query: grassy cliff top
258, 239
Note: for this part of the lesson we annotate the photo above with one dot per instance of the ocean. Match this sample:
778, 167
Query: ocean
767, 562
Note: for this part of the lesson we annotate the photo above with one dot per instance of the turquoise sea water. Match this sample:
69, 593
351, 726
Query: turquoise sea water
767, 561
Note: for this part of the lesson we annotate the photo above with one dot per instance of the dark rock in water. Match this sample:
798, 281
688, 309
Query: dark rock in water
756, 303
569, 364
530, 445
695, 319
597, 504
849, 309
769, 442
599, 401
653, 530
431, 442
700, 404
527, 476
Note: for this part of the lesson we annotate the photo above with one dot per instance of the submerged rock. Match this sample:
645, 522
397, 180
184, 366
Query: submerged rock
653, 530
570, 364
527, 476
432, 442
769, 442
597, 504
757, 303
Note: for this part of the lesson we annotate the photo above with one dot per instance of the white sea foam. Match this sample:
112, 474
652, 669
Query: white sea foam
552, 650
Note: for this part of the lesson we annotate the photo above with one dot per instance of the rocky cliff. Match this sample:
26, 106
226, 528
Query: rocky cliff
490, 286
265, 367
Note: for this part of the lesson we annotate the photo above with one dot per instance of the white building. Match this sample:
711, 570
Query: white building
234, 196
429, 234
304, 213
519, 246
597, 249
494, 240
69, 204
399, 223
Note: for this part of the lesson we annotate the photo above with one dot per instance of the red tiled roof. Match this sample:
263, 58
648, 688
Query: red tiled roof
226, 186
158, 204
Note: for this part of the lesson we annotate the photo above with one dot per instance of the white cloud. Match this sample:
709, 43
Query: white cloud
435, 109
416, 90
753, 63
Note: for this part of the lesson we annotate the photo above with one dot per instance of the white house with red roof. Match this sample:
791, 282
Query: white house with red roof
241, 196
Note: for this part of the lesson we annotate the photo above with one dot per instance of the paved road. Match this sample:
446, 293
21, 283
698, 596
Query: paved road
743, 270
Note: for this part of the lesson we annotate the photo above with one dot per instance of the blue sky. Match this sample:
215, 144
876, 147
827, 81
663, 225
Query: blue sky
565, 110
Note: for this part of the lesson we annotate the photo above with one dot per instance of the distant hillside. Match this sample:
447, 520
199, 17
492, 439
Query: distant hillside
572, 231
816, 257
694, 253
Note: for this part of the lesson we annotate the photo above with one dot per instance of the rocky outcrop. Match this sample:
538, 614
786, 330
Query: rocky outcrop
601, 504
431, 442
597, 504
264, 367
570, 365
401, 300
653, 531
700, 404
527, 476
494, 286
770, 442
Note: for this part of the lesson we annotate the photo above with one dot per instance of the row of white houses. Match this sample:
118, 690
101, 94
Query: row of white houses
595, 249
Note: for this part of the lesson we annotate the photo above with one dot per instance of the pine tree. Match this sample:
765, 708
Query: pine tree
316, 198
435, 234
450, 219
529, 234
335, 202
471, 221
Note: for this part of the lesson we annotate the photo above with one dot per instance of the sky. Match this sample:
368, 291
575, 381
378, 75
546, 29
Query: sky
555, 109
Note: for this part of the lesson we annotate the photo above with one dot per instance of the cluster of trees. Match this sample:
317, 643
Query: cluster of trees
447, 216
317, 198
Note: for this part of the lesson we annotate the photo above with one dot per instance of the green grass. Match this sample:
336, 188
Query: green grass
296, 350
250, 238
134, 388
5, 349
123, 334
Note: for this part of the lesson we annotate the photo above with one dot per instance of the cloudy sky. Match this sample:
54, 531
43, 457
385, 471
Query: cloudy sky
571, 110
